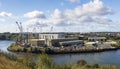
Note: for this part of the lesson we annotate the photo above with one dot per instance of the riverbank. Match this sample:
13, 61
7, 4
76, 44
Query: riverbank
9, 61
59, 50
84, 51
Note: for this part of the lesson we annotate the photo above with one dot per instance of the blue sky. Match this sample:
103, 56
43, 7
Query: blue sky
61, 15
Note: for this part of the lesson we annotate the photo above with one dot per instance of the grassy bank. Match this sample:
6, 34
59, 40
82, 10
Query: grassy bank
9, 61
17, 48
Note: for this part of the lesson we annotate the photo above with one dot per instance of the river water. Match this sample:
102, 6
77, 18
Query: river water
4, 45
108, 57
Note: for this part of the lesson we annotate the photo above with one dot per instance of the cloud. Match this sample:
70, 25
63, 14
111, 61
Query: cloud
87, 13
35, 14
35, 23
95, 12
5, 14
96, 8
74, 1
2, 20
57, 14
58, 19
102, 20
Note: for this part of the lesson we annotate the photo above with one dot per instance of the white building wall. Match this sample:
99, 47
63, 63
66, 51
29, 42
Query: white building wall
48, 37
51, 36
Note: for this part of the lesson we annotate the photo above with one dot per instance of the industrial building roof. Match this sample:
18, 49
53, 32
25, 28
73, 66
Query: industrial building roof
97, 38
72, 41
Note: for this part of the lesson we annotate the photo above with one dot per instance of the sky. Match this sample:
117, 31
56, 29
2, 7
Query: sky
60, 15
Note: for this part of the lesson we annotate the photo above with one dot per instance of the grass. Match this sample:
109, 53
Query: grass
15, 47
9, 61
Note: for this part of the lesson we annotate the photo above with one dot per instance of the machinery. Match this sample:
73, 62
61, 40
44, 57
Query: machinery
19, 24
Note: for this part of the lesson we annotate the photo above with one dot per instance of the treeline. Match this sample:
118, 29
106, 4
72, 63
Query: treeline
9, 61
9, 36
16, 36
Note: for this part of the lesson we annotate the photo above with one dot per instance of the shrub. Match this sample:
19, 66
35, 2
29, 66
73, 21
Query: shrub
81, 62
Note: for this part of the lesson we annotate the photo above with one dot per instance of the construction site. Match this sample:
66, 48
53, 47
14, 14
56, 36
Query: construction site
42, 39
55, 43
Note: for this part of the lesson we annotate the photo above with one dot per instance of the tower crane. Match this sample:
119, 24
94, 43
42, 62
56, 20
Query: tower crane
19, 24
51, 29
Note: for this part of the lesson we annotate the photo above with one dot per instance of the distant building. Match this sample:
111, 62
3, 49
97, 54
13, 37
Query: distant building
90, 43
97, 39
72, 43
37, 42
56, 42
53, 40
111, 42
51, 36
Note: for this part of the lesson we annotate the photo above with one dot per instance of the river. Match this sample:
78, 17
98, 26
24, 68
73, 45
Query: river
4, 45
108, 57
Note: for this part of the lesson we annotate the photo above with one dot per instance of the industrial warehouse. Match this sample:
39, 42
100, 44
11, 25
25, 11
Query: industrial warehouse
56, 40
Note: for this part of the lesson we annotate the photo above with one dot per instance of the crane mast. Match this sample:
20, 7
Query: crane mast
19, 24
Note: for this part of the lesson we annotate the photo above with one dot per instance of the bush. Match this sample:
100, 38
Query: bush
81, 62
9, 61
95, 65
44, 62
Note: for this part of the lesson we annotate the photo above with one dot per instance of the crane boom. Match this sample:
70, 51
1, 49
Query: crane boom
51, 29
20, 28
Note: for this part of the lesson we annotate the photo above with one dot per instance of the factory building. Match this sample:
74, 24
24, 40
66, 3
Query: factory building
54, 40
93, 39
72, 43
51, 36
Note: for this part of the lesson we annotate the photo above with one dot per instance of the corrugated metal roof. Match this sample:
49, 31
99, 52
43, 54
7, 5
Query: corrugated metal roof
72, 41
97, 38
